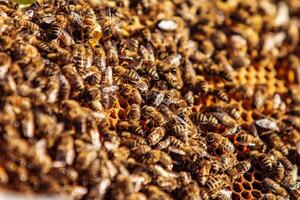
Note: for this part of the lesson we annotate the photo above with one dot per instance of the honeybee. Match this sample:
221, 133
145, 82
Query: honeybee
221, 95
65, 150
217, 139
204, 172
152, 72
55, 31
154, 114
4, 64
233, 112
267, 161
212, 120
64, 87
239, 168
31, 26
184, 178
279, 172
189, 97
247, 139
198, 118
166, 183
111, 52
82, 56
3, 175
129, 74
140, 150
173, 80
272, 185
75, 80
156, 135
216, 182
295, 194
134, 112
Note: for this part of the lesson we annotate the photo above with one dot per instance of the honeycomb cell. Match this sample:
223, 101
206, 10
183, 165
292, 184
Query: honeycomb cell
246, 195
256, 194
247, 186
248, 176
237, 188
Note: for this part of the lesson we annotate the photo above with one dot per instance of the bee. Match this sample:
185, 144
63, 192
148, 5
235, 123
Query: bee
44, 46
247, 139
279, 172
154, 114
140, 150
166, 160
184, 178
92, 78
216, 182
75, 80
3, 175
134, 112
82, 56
145, 34
198, 118
218, 139
152, 72
156, 135
129, 74
191, 191
203, 172
275, 141
189, 97
55, 31
65, 150
153, 192
226, 75
295, 194
111, 52
286, 163
233, 112
212, 120
173, 81
267, 161
239, 168
64, 87
166, 183
30, 25
181, 131
221, 95
133, 127
272, 185
5, 62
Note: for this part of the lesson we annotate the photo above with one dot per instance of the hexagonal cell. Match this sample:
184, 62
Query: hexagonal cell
246, 195
256, 194
248, 176
237, 187
236, 196
256, 185
258, 176
247, 185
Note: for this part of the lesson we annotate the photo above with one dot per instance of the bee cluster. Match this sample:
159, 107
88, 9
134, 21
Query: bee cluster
148, 99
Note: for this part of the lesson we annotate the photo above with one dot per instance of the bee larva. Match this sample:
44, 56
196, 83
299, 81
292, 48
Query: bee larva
272, 185
156, 135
